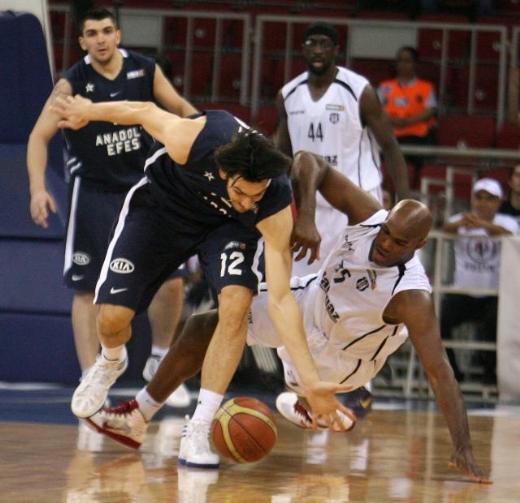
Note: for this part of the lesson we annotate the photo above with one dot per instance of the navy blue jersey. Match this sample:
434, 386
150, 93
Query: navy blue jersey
194, 194
102, 152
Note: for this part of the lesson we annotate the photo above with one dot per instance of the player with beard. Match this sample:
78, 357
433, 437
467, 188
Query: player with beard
334, 112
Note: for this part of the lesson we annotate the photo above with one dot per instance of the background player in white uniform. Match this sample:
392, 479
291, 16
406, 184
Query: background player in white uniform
102, 172
370, 295
335, 113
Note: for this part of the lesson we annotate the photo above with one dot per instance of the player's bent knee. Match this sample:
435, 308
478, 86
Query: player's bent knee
234, 304
113, 319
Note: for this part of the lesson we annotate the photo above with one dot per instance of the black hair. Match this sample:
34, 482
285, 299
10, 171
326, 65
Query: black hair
321, 28
251, 156
411, 50
96, 14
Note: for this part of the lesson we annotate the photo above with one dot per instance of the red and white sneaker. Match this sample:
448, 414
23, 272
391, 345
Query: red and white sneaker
124, 424
295, 411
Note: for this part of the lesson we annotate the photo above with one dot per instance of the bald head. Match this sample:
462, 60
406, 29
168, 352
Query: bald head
412, 218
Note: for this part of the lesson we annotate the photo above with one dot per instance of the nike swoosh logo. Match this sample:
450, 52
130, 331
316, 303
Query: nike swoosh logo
117, 290
113, 95
77, 278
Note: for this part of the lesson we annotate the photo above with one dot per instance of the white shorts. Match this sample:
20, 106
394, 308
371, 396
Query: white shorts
332, 363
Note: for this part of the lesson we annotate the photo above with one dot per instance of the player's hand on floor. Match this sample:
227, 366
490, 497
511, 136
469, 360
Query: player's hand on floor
464, 462
324, 405
41, 203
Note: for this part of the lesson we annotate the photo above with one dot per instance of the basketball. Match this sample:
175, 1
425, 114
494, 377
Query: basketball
244, 430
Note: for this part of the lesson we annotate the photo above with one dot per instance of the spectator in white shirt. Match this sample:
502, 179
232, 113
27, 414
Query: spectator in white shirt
477, 263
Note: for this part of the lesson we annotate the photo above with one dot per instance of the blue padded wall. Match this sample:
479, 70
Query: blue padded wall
35, 328
31, 277
14, 201
37, 348
25, 80
36, 337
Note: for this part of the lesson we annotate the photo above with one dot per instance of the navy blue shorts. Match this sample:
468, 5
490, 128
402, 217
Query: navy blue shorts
90, 224
145, 249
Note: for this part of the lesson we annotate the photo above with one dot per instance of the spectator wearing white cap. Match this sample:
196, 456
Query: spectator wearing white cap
477, 263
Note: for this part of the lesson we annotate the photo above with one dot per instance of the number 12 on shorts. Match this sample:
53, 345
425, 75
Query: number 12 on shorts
231, 263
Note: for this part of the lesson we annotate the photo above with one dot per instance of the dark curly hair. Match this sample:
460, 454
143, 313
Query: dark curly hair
251, 156
96, 14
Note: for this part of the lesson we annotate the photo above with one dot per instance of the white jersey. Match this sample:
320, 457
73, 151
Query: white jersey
343, 309
348, 299
331, 127
477, 256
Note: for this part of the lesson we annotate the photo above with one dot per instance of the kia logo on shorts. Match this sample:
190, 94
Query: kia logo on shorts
80, 258
122, 266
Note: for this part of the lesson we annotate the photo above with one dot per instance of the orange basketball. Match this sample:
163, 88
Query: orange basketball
244, 430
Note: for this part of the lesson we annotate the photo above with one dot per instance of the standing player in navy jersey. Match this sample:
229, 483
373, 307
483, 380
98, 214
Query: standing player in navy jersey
105, 161
216, 188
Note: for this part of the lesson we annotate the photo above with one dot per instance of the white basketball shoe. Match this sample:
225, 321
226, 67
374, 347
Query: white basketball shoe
124, 424
194, 449
294, 410
92, 391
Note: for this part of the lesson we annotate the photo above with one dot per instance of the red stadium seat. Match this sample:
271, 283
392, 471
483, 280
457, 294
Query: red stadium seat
240, 111
443, 17
462, 183
274, 36
202, 67
374, 70
488, 46
508, 6
509, 136
204, 32
383, 14
230, 75
486, 88
430, 44
175, 29
266, 119
502, 174
469, 130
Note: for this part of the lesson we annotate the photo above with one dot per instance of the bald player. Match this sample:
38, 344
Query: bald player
369, 296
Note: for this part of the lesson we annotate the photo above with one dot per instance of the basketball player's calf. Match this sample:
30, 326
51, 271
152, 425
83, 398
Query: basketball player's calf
128, 422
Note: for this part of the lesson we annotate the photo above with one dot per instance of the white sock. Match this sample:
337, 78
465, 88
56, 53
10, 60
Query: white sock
207, 406
159, 351
114, 354
147, 405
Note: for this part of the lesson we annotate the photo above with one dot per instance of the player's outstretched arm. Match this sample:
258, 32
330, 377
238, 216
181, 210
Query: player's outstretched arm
168, 96
37, 156
287, 318
281, 136
175, 133
310, 173
377, 120
313, 173
415, 309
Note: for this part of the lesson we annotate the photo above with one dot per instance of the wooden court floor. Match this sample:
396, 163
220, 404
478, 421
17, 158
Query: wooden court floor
391, 456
